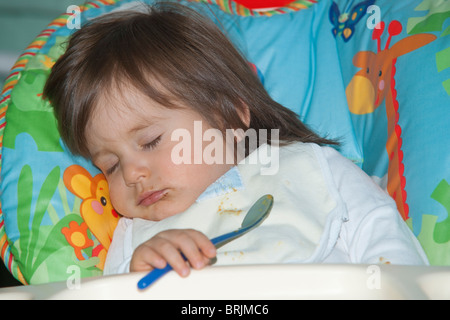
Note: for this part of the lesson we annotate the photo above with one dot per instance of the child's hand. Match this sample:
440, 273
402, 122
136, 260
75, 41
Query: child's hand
167, 246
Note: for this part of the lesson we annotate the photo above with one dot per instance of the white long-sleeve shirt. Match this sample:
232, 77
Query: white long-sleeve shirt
329, 211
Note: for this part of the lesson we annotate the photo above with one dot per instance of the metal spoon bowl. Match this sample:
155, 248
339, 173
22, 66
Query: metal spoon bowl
254, 217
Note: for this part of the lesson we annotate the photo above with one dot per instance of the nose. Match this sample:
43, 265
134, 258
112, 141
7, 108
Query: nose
134, 172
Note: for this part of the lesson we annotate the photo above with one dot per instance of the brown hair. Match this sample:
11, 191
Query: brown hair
187, 55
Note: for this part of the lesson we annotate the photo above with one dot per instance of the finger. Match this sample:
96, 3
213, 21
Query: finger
193, 254
173, 256
145, 259
196, 248
184, 236
204, 244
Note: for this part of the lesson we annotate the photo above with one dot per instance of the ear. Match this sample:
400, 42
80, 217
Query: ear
244, 114
78, 181
410, 43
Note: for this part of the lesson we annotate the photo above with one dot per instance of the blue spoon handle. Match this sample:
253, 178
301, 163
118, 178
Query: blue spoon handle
227, 237
152, 276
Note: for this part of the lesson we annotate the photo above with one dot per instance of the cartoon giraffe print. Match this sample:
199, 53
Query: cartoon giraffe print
374, 83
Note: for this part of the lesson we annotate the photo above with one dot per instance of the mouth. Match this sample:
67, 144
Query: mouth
150, 197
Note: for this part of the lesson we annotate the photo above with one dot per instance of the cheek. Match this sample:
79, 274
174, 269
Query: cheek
194, 179
119, 198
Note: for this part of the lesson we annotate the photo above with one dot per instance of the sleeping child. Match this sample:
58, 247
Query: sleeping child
173, 115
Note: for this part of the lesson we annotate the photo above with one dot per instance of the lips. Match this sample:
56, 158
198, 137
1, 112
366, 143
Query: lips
150, 197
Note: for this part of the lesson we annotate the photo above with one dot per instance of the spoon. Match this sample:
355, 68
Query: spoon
254, 217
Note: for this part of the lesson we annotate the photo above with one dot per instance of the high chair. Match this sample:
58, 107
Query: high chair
374, 74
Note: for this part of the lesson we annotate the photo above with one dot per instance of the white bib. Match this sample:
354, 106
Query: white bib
304, 223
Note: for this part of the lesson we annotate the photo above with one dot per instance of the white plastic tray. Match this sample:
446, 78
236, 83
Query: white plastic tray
258, 282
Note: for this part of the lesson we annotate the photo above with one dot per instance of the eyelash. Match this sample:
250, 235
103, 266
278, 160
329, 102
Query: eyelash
147, 146
152, 144
112, 169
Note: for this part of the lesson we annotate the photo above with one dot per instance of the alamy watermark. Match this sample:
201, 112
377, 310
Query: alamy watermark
191, 148
374, 19
74, 22
374, 278
373, 281
73, 281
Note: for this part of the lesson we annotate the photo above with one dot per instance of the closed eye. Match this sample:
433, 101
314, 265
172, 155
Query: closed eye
148, 146
153, 144
112, 169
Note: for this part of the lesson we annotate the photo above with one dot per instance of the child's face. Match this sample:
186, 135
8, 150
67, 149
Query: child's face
129, 139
